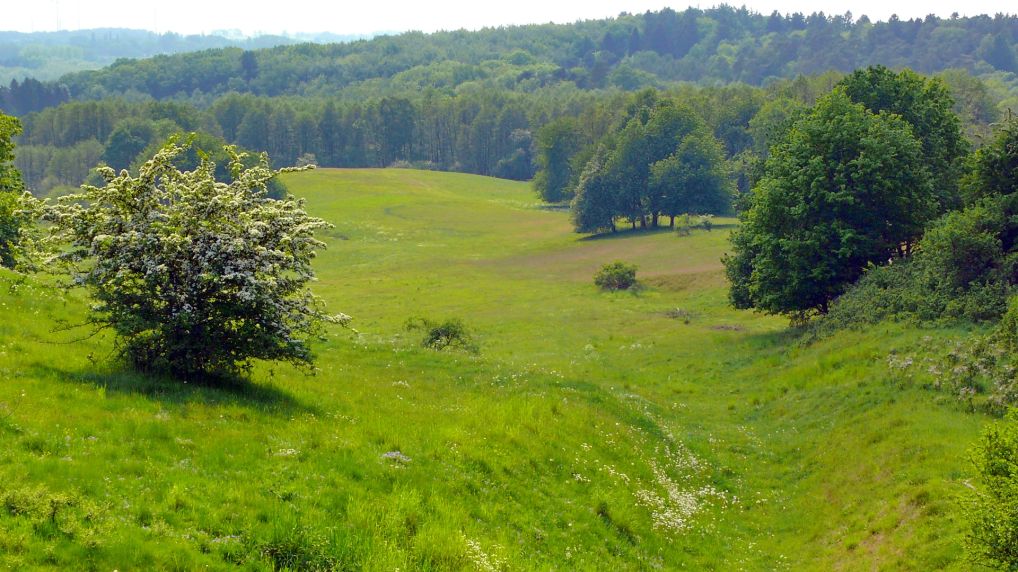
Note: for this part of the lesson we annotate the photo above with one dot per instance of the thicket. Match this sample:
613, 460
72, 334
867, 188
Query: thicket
846, 188
966, 265
441, 335
17, 209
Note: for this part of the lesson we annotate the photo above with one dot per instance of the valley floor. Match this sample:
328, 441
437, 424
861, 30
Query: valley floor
655, 429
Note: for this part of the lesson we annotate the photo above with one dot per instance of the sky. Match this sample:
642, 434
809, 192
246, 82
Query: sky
344, 17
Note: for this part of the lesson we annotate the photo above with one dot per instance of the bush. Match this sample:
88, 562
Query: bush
442, 335
1007, 332
992, 509
962, 269
194, 275
963, 247
616, 276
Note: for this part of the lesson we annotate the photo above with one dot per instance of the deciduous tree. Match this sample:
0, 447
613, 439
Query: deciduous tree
195, 276
845, 189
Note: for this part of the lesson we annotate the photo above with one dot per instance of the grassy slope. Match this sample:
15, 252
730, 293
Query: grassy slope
592, 432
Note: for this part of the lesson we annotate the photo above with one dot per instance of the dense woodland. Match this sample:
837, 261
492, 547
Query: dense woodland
491, 102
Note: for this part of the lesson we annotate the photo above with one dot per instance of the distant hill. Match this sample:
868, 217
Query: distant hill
713, 46
49, 55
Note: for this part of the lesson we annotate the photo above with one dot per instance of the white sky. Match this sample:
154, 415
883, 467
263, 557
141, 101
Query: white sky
343, 17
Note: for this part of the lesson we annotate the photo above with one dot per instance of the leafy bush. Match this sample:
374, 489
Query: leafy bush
442, 335
194, 275
963, 247
992, 509
18, 210
964, 268
616, 276
1008, 329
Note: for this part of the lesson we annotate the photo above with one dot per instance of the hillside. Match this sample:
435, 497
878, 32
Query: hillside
658, 429
716, 45
46, 56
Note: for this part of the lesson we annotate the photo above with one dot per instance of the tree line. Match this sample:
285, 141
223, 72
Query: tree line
549, 134
629, 52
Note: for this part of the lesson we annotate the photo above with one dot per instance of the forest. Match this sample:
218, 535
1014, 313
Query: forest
488, 102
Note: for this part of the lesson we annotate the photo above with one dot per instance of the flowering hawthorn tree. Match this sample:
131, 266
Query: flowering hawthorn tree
194, 275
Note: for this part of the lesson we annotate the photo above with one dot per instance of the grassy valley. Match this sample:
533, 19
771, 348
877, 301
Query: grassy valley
655, 429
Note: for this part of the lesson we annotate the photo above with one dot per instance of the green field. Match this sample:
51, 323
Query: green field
650, 430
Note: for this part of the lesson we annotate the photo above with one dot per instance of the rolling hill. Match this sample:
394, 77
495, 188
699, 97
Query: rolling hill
655, 429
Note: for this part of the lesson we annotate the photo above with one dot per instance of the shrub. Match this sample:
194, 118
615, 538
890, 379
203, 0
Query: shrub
1008, 329
442, 335
963, 247
965, 267
195, 276
616, 276
992, 509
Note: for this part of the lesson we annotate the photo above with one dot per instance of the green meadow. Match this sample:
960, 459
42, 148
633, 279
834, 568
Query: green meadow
655, 429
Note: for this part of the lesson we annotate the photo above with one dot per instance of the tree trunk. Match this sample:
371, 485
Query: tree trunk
671, 223
653, 222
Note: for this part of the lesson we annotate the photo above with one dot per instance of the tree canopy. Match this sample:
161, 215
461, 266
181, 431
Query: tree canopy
928, 107
845, 188
662, 161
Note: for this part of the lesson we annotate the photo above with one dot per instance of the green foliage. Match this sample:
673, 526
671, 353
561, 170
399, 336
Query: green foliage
194, 275
451, 333
1008, 328
845, 189
10, 178
994, 169
958, 272
716, 45
661, 161
18, 232
964, 247
992, 508
593, 209
556, 144
693, 179
18, 210
616, 276
926, 105
965, 266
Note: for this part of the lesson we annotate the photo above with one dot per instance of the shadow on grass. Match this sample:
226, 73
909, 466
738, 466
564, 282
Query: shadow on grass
213, 391
625, 232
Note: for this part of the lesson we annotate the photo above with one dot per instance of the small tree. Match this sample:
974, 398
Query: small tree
442, 335
195, 275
